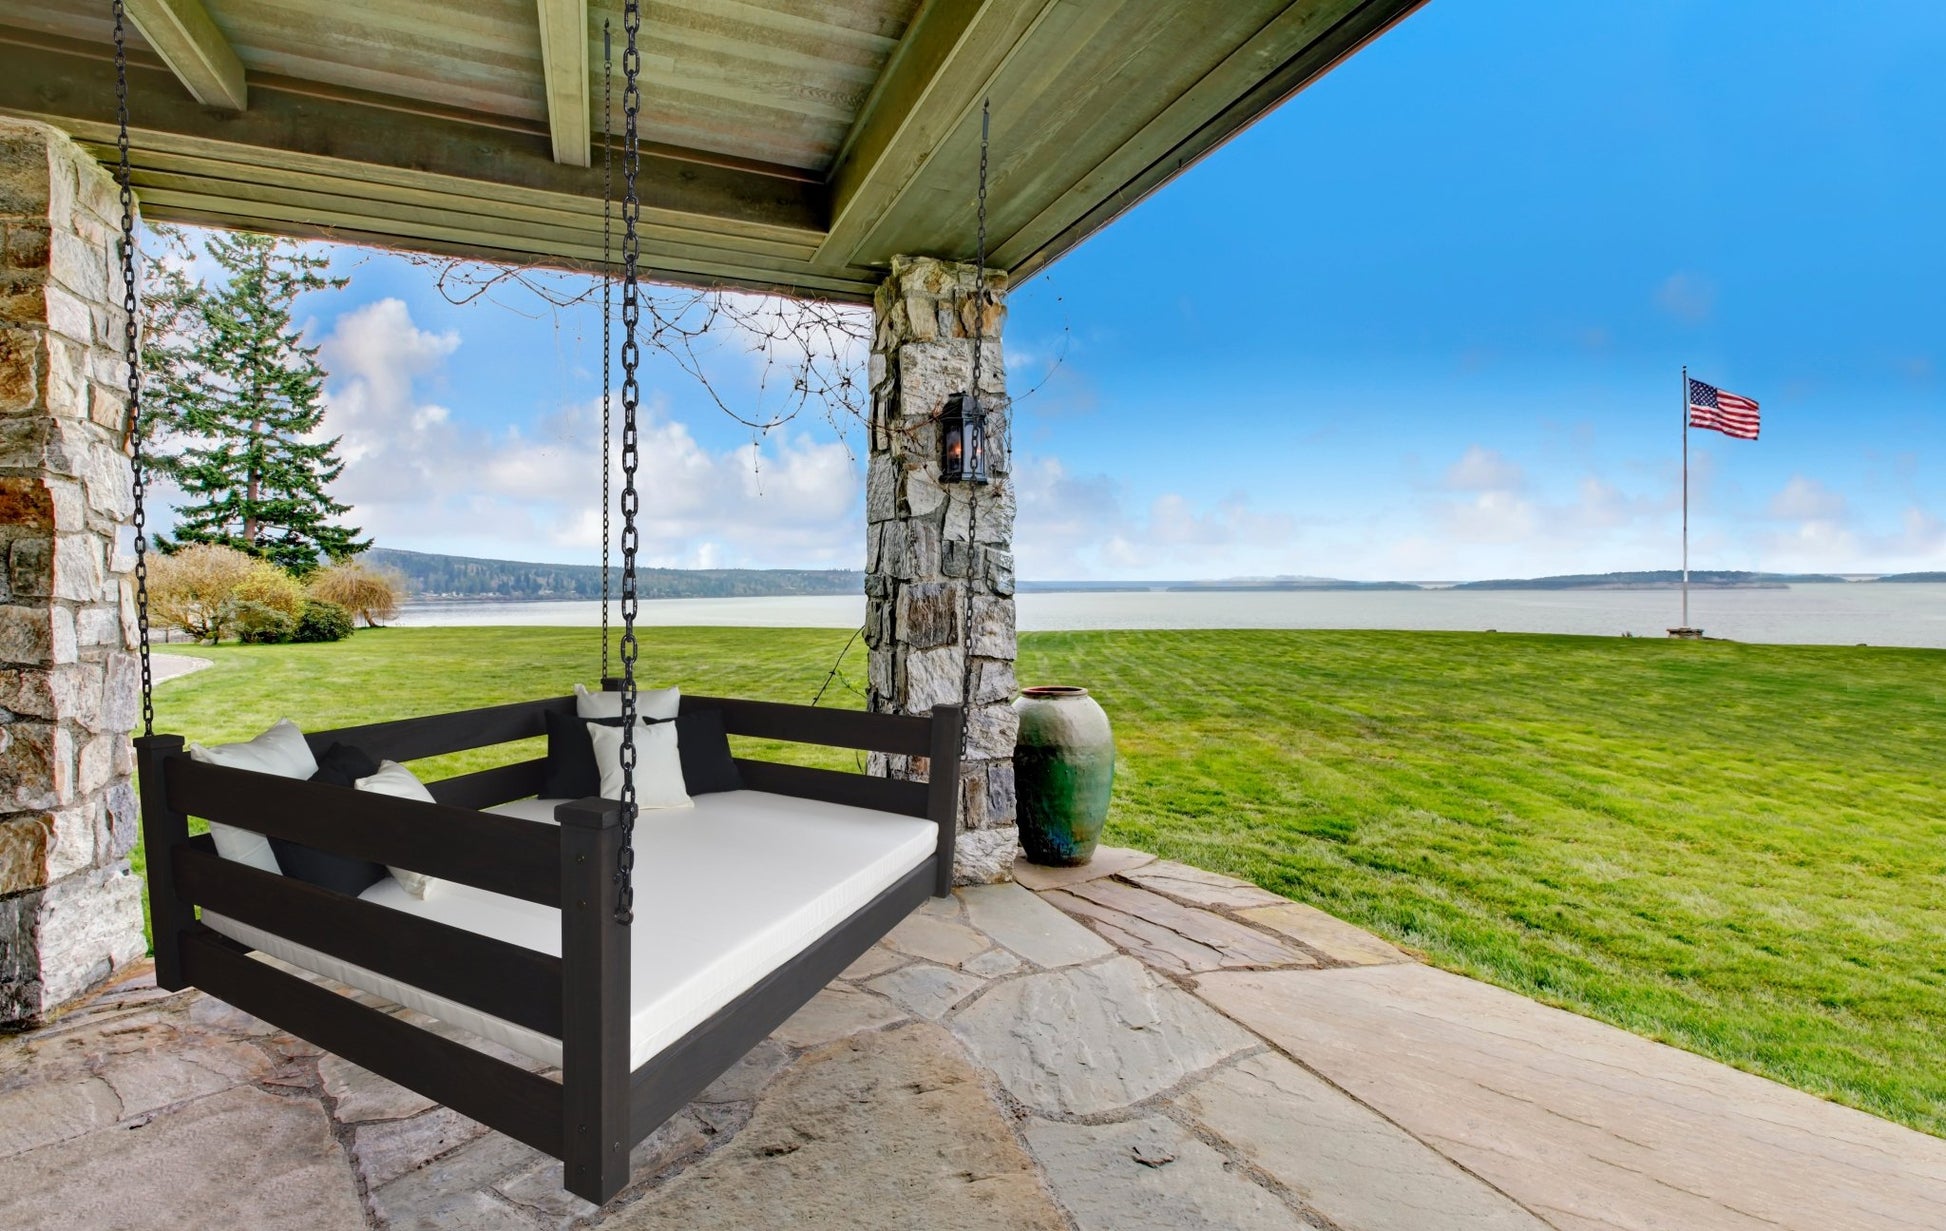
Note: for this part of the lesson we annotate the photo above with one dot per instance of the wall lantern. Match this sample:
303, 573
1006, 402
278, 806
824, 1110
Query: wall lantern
963, 440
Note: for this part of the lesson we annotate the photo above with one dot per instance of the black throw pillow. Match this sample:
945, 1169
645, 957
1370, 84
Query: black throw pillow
571, 771
707, 766
341, 765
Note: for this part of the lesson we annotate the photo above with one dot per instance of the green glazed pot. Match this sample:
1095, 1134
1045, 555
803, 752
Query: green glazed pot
1064, 770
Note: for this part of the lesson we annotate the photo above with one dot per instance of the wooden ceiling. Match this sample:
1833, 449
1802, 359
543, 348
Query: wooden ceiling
791, 145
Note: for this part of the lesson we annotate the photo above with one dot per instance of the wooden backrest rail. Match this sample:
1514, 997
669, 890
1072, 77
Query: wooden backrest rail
806, 724
835, 787
507, 855
506, 980
410, 739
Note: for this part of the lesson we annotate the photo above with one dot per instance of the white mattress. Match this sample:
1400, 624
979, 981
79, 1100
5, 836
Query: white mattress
725, 893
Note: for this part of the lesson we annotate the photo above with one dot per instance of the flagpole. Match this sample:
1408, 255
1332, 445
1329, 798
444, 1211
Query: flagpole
1685, 496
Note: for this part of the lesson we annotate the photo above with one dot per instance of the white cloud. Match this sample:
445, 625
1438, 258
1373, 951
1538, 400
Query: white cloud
1484, 470
419, 476
1075, 526
1807, 499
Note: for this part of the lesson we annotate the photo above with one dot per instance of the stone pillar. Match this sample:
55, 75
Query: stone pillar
938, 555
70, 909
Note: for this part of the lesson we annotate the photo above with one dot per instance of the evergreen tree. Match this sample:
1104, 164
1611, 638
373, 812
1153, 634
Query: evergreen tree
235, 384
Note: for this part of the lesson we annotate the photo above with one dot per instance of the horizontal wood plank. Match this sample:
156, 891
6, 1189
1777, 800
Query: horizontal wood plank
835, 787
499, 853
435, 735
808, 724
504, 1097
488, 788
508, 981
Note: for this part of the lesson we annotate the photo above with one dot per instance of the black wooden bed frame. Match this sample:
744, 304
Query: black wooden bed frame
592, 1117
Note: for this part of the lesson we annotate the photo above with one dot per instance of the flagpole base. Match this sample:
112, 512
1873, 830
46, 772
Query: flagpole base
1687, 634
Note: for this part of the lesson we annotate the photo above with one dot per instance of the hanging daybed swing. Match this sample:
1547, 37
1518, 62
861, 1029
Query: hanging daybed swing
534, 925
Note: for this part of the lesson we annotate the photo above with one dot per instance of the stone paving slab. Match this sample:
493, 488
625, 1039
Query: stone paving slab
1108, 861
1207, 889
888, 1129
1170, 936
240, 1158
1085, 1040
1150, 1172
1328, 934
1028, 926
1342, 1160
1586, 1125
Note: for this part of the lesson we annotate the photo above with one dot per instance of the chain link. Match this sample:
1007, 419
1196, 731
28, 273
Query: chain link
979, 409
631, 400
132, 354
607, 301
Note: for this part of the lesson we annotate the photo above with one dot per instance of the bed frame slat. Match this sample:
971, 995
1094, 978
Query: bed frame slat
409, 739
802, 724
509, 981
502, 1096
835, 787
505, 854
488, 787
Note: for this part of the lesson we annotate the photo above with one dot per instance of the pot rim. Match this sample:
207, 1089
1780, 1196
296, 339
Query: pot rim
1054, 692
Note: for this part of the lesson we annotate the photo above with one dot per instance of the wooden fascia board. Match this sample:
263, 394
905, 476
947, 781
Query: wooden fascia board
564, 62
182, 34
1153, 157
73, 89
937, 75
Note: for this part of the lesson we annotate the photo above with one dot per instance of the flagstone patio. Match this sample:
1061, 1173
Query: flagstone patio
1137, 1044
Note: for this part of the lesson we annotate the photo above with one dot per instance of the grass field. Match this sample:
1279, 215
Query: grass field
1740, 850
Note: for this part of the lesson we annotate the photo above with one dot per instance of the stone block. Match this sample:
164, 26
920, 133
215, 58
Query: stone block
984, 856
929, 615
69, 317
36, 766
998, 570
26, 635
922, 495
925, 990
922, 550
973, 796
1003, 800
77, 568
121, 693
991, 731
992, 633
28, 246
30, 567
1019, 920
72, 848
1151, 1172
933, 677
26, 503
95, 764
24, 179
123, 818
90, 927
996, 683
98, 626
20, 386
24, 845
881, 489
108, 480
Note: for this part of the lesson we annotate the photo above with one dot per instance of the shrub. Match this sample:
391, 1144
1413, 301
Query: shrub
195, 589
368, 593
262, 624
322, 621
271, 587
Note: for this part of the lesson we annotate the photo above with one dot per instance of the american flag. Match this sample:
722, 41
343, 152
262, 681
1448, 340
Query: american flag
1728, 413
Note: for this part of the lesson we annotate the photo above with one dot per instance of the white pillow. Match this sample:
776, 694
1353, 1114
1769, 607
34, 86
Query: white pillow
393, 778
281, 751
650, 703
658, 764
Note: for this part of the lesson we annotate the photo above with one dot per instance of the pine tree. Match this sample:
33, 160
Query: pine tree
244, 395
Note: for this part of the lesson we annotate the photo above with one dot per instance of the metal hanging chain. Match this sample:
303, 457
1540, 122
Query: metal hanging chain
132, 354
607, 297
980, 262
631, 399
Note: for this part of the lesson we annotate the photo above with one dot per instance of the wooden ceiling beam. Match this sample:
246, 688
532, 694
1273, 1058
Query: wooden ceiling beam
182, 34
564, 60
940, 72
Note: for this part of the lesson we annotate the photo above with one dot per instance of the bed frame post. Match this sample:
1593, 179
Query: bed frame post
943, 790
163, 831
594, 1003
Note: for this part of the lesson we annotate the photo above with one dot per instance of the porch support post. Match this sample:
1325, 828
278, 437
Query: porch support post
939, 554
70, 910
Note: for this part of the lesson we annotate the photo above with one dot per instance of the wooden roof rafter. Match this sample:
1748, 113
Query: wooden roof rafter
812, 139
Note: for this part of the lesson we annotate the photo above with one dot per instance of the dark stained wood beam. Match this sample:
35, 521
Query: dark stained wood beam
182, 33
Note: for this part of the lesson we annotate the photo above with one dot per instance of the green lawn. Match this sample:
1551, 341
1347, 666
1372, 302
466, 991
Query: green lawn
1737, 849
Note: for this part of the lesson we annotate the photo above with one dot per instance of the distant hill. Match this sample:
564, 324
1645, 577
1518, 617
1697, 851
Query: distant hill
1933, 577
1282, 584
1657, 579
433, 577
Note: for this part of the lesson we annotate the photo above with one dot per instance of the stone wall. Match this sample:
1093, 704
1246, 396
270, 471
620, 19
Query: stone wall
937, 555
70, 910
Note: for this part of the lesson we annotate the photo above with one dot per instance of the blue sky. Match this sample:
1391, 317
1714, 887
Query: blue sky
1424, 321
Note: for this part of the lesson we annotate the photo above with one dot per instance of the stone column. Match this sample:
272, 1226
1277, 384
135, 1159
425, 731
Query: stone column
70, 909
939, 555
